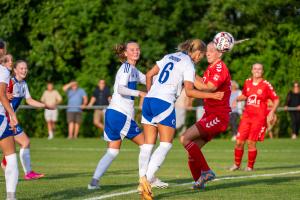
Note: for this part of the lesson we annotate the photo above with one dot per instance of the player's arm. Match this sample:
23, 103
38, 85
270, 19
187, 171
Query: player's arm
142, 78
149, 76
193, 93
32, 102
207, 87
124, 90
6, 104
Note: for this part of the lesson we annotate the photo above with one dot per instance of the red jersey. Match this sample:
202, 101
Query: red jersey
219, 75
257, 98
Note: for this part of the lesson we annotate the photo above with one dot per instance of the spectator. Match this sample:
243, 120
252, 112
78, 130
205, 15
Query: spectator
52, 98
181, 105
293, 100
236, 108
77, 99
101, 97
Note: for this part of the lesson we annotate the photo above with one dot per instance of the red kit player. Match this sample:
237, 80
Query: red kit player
215, 119
256, 93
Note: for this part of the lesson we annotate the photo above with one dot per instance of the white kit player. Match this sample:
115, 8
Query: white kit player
158, 113
7, 125
119, 116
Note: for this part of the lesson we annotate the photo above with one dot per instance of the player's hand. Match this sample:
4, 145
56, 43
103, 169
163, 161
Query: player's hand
142, 94
218, 95
13, 121
199, 78
270, 116
9, 96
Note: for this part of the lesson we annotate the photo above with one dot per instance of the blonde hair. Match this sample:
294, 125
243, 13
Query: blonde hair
190, 46
4, 59
120, 50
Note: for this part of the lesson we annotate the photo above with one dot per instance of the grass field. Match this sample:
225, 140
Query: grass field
69, 166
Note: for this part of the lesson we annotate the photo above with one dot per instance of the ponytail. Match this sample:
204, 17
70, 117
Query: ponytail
120, 49
190, 46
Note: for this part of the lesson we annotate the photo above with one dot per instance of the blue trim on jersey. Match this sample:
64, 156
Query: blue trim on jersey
15, 102
153, 107
132, 85
127, 67
7, 132
115, 122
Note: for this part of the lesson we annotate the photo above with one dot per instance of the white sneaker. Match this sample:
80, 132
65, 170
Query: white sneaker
234, 167
93, 187
50, 137
157, 183
294, 136
248, 169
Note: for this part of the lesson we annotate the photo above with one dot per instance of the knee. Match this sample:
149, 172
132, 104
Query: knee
182, 140
251, 145
239, 145
113, 152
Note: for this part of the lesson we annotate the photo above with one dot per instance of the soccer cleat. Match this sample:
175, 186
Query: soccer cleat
3, 163
206, 176
144, 189
33, 175
93, 187
248, 169
234, 168
198, 186
157, 183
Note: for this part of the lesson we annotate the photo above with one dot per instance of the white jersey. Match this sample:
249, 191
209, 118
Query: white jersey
20, 91
174, 69
127, 76
4, 78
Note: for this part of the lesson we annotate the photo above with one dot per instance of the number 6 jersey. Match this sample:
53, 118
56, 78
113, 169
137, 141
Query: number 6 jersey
174, 69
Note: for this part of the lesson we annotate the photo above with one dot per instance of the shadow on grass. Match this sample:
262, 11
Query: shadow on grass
278, 167
222, 186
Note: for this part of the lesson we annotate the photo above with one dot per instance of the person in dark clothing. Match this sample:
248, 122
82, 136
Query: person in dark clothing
293, 100
101, 97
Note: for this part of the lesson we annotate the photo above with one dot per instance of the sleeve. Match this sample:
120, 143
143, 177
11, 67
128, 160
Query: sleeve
161, 63
218, 76
244, 91
288, 99
58, 97
123, 90
27, 94
271, 92
125, 72
189, 73
142, 78
43, 97
95, 93
4, 77
83, 93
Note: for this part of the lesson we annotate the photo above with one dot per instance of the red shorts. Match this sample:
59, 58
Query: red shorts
251, 129
212, 124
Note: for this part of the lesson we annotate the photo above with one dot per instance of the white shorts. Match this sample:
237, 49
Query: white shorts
51, 115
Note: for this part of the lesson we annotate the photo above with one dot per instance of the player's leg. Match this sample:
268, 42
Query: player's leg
23, 140
11, 171
252, 153
113, 148
166, 135
242, 136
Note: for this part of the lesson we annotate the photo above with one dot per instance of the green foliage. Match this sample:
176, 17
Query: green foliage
66, 40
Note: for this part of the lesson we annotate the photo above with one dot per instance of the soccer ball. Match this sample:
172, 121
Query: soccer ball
223, 41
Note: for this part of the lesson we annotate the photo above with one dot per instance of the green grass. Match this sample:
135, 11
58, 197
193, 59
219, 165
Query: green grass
69, 166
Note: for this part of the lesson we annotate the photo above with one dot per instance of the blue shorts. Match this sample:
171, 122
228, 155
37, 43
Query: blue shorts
118, 125
19, 130
157, 111
5, 128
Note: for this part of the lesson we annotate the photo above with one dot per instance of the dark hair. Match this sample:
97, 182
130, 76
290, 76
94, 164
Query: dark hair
190, 46
120, 50
2, 44
4, 58
18, 62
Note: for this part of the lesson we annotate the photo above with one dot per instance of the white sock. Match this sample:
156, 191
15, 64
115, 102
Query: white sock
157, 159
51, 133
144, 157
11, 173
25, 160
105, 162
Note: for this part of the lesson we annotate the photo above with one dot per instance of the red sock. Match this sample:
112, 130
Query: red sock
197, 162
238, 155
252, 153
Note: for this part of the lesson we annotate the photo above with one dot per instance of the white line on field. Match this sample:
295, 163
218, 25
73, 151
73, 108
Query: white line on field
137, 150
189, 183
